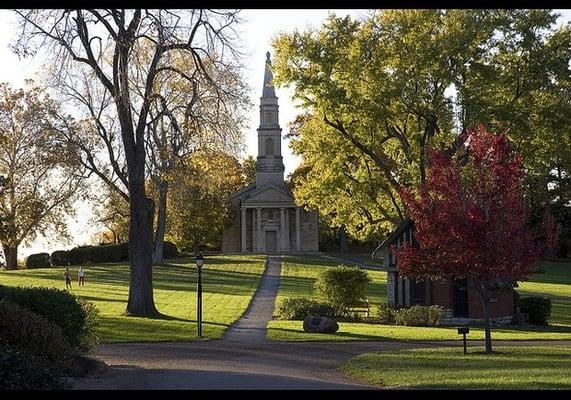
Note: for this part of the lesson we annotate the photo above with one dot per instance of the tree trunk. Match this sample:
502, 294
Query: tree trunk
161, 222
487, 323
11, 256
342, 239
141, 301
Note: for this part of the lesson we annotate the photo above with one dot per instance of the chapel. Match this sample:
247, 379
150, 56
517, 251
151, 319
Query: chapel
267, 218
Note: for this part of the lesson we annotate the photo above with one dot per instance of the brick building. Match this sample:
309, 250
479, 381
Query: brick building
461, 302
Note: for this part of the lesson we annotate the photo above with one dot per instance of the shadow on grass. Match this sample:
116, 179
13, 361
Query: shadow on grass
164, 317
354, 336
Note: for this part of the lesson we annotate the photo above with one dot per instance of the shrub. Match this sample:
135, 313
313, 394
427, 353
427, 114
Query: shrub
419, 316
297, 308
97, 254
89, 337
78, 255
169, 250
124, 251
38, 260
60, 258
114, 253
538, 308
385, 314
342, 287
35, 336
20, 372
58, 306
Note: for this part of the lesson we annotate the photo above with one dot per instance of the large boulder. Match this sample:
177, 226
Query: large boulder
320, 324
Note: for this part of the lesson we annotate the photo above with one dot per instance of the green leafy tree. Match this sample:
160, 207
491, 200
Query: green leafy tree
41, 176
379, 91
198, 206
249, 170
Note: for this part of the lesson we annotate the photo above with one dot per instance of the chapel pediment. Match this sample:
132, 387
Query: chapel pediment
269, 194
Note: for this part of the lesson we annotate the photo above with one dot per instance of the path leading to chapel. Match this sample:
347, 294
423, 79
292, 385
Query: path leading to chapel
251, 328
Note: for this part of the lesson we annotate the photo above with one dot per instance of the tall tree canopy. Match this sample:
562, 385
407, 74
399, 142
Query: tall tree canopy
114, 58
42, 174
380, 91
471, 220
199, 202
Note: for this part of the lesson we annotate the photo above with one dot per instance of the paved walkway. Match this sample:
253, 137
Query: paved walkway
251, 328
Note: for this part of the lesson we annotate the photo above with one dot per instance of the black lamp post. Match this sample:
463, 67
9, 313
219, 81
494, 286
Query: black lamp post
199, 262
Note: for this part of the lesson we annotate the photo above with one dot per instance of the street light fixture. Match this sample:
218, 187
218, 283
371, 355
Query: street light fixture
199, 262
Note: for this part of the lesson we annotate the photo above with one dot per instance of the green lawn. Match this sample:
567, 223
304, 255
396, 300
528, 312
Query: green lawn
299, 274
364, 258
508, 368
228, 285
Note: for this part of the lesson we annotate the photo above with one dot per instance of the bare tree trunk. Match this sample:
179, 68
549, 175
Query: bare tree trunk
11, 256
161, 222
141, 301
487, 323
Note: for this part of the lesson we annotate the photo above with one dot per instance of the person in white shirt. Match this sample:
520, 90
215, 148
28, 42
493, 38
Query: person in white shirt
81, 276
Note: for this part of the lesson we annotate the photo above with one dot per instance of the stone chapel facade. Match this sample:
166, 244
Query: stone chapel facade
267, 218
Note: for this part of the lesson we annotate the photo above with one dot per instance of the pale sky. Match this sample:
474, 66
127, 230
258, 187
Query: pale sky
256, 33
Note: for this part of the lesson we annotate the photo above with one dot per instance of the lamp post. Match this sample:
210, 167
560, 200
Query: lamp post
199, 262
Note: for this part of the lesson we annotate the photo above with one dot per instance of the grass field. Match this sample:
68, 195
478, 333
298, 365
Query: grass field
299, 274
507, 368
228, 285
364, 258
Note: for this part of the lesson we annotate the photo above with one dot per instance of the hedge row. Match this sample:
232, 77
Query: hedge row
90, 254
411, 316
297, 308
57, 306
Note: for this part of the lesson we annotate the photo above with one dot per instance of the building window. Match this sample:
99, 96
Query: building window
269, 147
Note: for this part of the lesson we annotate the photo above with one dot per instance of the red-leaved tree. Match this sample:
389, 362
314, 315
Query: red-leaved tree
471, 220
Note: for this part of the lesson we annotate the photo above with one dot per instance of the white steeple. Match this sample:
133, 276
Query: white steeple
269, 165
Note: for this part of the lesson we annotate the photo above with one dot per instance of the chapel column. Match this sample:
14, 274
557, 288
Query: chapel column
254, 236
259, 228
282, 230
298, 229
243, 230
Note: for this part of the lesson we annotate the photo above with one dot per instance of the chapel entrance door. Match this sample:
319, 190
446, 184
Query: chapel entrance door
271, 242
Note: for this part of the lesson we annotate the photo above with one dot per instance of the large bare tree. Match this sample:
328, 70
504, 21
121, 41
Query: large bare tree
108, 48
189, 116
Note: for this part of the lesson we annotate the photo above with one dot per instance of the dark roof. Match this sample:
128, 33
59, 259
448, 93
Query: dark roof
405, 224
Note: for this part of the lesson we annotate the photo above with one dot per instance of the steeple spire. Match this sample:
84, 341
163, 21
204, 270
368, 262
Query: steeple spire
269, 164
268, 76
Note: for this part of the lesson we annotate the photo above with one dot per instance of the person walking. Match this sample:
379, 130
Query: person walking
81, 276
67, 275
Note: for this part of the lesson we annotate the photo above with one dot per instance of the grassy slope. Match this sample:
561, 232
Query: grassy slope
228, 285
298, 275
509, 368
555, 283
